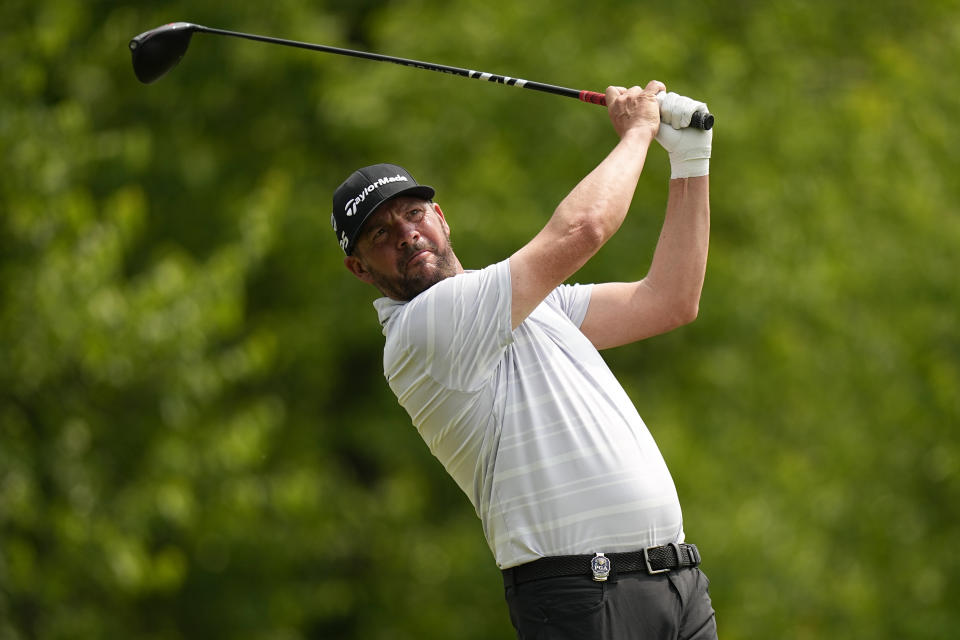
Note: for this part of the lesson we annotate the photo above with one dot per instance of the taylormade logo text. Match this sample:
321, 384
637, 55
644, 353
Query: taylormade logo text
351, 207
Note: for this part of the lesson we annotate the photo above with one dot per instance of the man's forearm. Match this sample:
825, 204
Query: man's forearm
680, 260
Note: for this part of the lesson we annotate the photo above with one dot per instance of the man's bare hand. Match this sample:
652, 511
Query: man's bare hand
635, 109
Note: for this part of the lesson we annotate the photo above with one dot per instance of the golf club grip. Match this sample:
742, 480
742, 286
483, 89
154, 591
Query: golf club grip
699, 120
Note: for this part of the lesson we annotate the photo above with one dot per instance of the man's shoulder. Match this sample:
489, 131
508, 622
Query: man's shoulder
459, 290
455, 332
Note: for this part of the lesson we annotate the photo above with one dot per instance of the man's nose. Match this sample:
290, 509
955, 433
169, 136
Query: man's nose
408, 233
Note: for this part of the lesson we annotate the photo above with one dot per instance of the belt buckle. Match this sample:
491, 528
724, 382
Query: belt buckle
600, 566
646, 558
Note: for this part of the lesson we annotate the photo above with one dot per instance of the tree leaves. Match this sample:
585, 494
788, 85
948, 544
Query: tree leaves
195, 436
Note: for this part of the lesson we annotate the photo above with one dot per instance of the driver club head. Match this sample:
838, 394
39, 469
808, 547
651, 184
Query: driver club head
157, 51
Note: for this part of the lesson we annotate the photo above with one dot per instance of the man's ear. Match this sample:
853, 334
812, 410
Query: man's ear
355, 266
443, 218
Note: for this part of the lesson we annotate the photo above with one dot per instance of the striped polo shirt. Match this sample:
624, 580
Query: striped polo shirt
530, 423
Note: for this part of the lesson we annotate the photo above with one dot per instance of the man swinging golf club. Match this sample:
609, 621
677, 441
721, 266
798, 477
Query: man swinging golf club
500, 372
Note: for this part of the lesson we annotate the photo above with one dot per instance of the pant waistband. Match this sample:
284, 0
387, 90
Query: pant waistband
600, 566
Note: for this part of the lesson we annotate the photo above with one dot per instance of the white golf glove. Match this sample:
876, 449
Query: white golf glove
689, 149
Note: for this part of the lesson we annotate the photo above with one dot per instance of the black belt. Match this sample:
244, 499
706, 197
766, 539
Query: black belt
651, 560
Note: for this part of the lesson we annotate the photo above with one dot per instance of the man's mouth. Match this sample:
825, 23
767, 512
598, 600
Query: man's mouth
417, 256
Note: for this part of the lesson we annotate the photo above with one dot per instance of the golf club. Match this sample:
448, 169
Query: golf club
157, 51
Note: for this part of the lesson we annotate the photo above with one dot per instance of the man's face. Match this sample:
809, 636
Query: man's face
404, 248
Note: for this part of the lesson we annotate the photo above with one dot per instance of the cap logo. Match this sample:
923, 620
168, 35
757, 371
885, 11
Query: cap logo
350, 208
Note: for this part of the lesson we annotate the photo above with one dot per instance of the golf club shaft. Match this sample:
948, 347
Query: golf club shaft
699, 121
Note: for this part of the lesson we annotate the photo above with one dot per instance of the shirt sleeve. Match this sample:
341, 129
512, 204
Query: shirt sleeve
460, 327
572, 300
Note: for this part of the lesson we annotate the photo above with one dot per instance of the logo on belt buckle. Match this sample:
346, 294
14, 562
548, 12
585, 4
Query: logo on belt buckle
600, 566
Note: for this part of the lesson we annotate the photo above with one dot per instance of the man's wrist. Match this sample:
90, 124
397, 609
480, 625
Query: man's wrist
639, 135
689, 168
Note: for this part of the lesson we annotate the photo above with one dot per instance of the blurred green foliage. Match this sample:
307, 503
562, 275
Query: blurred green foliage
195, 437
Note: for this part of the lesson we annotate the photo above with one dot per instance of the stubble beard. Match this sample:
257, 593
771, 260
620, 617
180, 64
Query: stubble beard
413, 281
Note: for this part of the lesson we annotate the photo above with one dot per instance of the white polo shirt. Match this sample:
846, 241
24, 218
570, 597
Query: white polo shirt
530, 423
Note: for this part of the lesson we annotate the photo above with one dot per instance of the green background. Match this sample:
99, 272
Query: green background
196, 440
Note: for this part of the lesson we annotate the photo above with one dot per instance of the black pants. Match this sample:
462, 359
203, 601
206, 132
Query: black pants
632, 606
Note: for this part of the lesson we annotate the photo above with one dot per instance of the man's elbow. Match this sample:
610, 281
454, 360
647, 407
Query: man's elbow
584, 236
685, 312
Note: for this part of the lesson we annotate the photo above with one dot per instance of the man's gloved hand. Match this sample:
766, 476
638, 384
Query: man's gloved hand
689, 149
